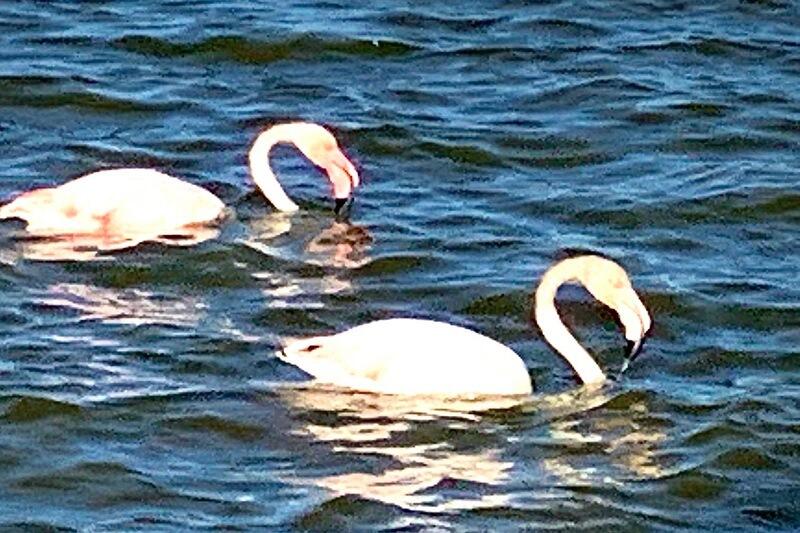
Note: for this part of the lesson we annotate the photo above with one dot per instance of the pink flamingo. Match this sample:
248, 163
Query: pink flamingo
409, 356
140, 204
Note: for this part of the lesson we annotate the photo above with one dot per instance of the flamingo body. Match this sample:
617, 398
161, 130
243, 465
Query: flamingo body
137, 204
412, 356
423, 357
128, 201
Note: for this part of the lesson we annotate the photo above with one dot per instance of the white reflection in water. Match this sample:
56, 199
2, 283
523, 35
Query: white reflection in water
459, 443
374, 425
124, 306
338, 247
618, 445
89, 247
97, 358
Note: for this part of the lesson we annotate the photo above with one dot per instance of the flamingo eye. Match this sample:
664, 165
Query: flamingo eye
312, 347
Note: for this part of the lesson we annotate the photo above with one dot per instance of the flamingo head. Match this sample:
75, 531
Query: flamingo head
609, 284
321, 148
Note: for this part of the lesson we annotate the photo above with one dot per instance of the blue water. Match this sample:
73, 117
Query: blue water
139, 390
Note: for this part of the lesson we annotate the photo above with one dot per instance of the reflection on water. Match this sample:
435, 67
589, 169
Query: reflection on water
89, 247
624, 437
386, 426
339, 246
447, 454
342, 245
123, 306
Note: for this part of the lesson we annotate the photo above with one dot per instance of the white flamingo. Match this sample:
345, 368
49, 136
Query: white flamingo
143, 203
412, 356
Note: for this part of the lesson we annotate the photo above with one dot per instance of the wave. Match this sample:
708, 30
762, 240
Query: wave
23, 409
12, 96
241, 49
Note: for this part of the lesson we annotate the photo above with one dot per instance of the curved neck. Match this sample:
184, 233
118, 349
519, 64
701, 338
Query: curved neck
262, 172
553, 328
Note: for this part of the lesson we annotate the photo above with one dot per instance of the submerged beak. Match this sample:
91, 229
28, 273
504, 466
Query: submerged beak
636, 321
341, 206
632, 350
343, 175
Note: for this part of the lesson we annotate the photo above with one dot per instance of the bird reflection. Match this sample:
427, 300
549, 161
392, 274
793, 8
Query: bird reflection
123, 306
337, 247
444, 455
340, 244
425, 443
625, 438
89, 247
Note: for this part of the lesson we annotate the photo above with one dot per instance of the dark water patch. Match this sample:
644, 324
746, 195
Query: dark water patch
547, 143
30, 409
211, 424
515, 304
386, 139
698, 409
710, 47
196, 272
481, 245
93, 102
387, 265
459, 153
714, 360
33, 526
551, 152
572, 28
743, 458
20, 82
492, 53
110, 484
716, 433
63, 40
752, 317
789, 362
627, 400
760, 98
220, 347
198, 146
567, 161
296, 320
697, 486
109, 159
83, 475
349, 512
734, 207
586, 94
727, 144
703, 109
434, 22
241, 49
783, 125
783, 518
645, 118
421, 97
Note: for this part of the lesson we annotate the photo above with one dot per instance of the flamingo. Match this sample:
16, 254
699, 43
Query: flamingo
426, 357
145, 203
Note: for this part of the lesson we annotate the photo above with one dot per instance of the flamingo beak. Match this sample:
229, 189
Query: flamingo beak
637, 323
343, 177
342, 206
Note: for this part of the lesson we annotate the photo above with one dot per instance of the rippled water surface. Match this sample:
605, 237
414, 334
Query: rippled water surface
139, 390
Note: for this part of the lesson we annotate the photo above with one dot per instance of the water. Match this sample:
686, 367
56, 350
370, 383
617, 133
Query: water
139, 390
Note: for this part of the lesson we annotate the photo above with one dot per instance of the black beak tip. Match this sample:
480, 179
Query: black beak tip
633, 349
341, 206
